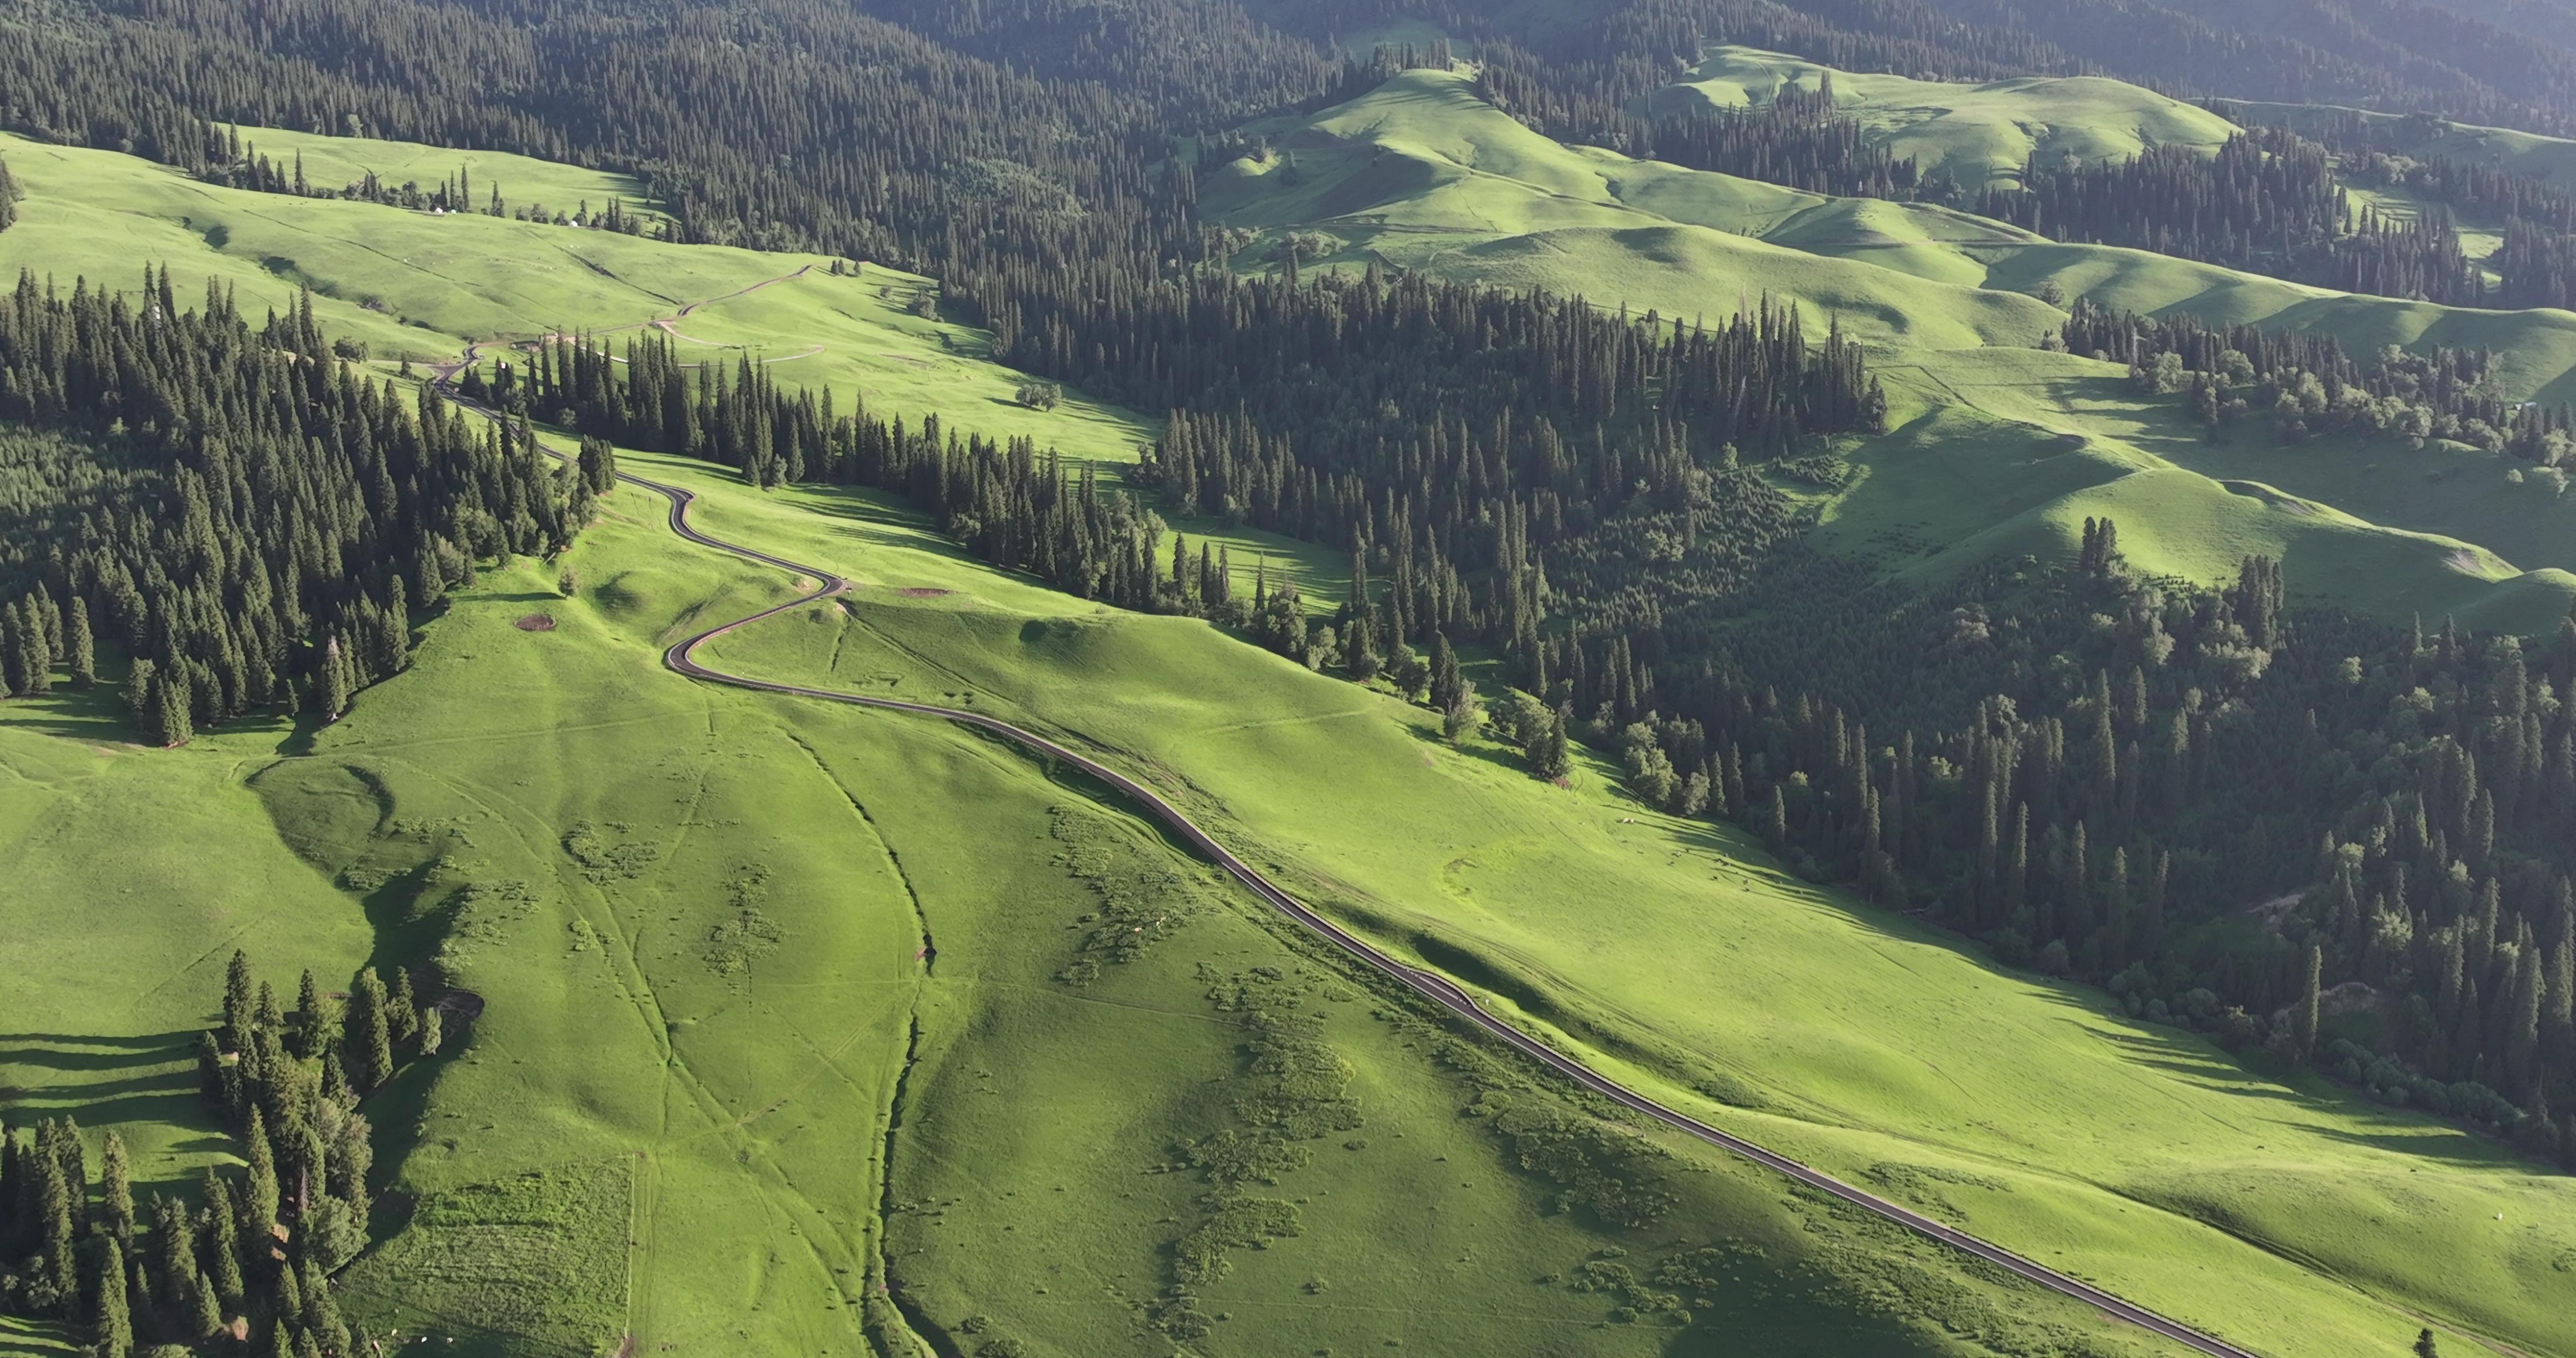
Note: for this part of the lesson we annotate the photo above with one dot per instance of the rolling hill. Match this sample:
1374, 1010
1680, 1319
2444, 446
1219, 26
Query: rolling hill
1424, 174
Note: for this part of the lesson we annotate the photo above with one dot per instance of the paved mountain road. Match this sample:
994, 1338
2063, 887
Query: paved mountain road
681, 656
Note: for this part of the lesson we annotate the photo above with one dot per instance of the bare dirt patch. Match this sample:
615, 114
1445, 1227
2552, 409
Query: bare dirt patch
923, 592
536, 622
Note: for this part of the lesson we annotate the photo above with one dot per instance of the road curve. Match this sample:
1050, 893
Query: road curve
681, 656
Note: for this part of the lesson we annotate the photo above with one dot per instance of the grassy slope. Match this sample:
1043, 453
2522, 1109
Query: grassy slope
336, 162
2130, 1154
1425, 174
697, 918
1980, 133
587, 841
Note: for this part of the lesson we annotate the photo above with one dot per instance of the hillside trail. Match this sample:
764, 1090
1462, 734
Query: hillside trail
680, 657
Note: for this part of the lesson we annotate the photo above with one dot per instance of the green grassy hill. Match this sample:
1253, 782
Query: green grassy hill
1980, 133
2132, 1155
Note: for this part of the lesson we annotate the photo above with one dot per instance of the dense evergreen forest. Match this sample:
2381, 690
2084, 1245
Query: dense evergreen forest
252, 1258
259, 522
2536, 265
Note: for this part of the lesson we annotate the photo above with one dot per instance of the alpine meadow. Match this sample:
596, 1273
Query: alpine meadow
1181, 678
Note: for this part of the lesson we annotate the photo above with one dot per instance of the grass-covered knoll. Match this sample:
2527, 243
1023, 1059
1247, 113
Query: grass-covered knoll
2129, 1154
1979, 133
1424, 172
416, 286
149, 869
2002, 453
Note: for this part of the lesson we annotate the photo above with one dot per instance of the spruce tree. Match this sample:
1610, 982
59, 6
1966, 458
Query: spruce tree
56, 1197
116, 1190
313, 1019
1444, 673
2304, 1018
141, 702
402, 1007
260, 1191
205, 1309
370, 1036
331, 691
169, 725
15, 657
112, 1321
223, 1241
82, 651
237, 1003
174, 1252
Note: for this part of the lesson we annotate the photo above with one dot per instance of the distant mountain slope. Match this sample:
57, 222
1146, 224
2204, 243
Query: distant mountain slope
2525, 153
1980, 133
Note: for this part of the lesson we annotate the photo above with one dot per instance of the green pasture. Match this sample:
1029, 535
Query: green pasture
1422, 172
1998, 453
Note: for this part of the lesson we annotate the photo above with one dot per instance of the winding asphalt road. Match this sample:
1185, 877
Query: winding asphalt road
1438, 989
681, 657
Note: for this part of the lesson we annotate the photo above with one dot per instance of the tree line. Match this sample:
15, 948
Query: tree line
2305, 384
284, 516
1008, 502
2406, 801
251, 1260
